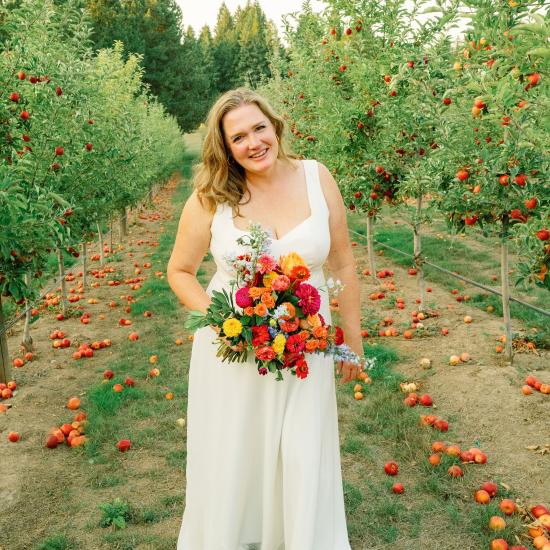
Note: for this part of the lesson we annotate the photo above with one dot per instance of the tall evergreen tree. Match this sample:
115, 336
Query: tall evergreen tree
226, 51
254, 48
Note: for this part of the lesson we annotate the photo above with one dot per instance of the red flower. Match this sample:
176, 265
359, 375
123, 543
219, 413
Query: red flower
301, 368
339, 336
265, 354
260, 335
300, 272
294, 343
289, 326
292, 359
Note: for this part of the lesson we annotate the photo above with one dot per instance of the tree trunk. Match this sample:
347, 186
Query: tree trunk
5, 368
100, 239
62, 281
84, 263
111, 238
123, 224
506, 291
418, 255
370, 247
27, 339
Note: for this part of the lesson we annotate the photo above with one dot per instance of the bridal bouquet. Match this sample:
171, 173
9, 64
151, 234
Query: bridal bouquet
271, 311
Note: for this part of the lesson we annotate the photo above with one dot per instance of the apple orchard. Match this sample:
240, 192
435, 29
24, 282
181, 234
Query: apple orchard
407, 114
425, 112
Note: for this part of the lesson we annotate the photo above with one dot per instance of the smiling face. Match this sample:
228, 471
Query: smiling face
250, 137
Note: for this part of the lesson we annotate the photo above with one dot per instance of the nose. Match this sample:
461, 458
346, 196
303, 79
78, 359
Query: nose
253, 141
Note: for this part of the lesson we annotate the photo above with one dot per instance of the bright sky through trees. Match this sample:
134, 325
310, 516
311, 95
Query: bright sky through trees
198, 13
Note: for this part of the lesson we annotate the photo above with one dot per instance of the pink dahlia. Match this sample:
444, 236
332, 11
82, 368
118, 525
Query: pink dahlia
310, 301
266, 263
242, 297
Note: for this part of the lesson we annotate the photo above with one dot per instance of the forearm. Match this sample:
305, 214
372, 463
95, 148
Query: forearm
349, 307
188, 290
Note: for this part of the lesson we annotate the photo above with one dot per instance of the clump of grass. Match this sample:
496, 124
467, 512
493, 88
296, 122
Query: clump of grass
56, 542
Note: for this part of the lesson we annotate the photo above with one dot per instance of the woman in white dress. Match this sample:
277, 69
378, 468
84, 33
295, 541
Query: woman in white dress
263, 457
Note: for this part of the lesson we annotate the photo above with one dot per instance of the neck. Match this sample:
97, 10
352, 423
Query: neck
263, 180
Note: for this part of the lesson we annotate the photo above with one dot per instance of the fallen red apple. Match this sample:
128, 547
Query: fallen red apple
123, 445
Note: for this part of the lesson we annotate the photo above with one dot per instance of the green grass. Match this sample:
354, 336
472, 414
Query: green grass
380, 428
57, 542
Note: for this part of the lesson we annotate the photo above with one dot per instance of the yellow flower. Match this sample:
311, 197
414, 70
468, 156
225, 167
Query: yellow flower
290, 261
279, 344
232, 327
314, 320
268, 277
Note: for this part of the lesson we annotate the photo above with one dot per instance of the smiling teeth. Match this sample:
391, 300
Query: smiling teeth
259, 154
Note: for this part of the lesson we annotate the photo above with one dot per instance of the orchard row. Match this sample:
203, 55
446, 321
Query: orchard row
405, 114
81, 141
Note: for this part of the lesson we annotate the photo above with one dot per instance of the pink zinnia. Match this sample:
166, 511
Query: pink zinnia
242, 297
310, 301
266, 263
280, 283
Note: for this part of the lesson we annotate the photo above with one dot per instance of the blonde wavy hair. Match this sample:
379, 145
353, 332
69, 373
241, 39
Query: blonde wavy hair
217, 180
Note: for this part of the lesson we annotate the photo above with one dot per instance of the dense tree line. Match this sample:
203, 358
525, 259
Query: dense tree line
185, 69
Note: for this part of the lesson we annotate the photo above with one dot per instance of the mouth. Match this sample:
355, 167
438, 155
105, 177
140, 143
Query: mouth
260, 155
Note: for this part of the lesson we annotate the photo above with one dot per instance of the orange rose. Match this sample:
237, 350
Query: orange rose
290, 261
268, 300
249, 311
314, 320
260, 309
256, 291
320, 332
312, 345
322, 344
304, 335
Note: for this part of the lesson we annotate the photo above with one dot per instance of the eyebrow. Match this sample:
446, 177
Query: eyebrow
253, 126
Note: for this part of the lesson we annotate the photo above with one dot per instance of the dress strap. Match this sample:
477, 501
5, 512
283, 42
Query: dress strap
317, 200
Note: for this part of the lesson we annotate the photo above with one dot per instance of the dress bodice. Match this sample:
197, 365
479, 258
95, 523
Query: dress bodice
310, 238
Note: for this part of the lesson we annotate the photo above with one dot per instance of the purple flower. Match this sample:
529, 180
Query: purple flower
262, 371
310, 301
242, 297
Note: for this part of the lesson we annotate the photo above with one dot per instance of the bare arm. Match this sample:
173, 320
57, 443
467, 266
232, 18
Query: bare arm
341, 263
192, 242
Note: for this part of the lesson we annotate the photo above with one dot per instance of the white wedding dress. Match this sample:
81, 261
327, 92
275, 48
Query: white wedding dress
263, 456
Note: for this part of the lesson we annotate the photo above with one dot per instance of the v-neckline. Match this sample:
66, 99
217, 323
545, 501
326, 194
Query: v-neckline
270, 230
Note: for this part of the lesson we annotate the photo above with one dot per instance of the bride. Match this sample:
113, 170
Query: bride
263, 459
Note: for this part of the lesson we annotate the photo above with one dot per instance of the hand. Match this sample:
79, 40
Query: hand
349, 371
239, 347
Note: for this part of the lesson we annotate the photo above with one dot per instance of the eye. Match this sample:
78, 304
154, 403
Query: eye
236, 139
260, 127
